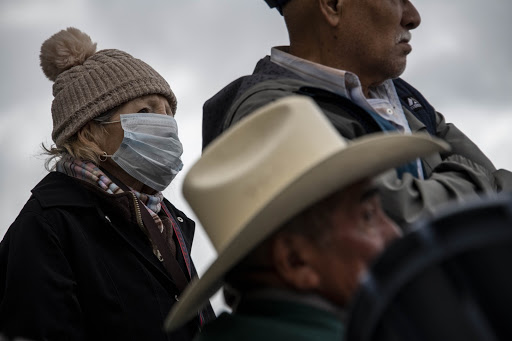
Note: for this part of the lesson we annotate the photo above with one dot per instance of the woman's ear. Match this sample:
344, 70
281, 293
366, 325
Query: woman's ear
293, 257
331, 10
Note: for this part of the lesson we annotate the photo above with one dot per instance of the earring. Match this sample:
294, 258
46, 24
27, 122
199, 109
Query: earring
104, 157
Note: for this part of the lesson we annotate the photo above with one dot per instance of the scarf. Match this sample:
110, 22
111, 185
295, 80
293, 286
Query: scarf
89, 172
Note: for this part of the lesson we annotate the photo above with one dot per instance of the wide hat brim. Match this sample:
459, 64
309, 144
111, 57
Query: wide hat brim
365, 157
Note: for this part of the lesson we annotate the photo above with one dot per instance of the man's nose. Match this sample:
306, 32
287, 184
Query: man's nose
391, 231
411, 17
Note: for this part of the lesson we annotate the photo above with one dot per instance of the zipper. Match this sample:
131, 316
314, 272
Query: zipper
137, 211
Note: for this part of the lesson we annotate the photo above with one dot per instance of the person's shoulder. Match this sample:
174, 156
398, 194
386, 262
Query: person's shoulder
220, 107
56, 206
50, 196
59, 190
265, 71
54, 185
261, 94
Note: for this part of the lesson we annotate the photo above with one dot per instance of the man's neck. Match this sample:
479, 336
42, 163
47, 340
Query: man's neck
318, 56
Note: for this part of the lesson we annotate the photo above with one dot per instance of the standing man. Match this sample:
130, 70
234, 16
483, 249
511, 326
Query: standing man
347, 55
295, 219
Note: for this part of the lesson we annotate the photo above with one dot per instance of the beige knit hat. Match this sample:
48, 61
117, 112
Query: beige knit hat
88, 83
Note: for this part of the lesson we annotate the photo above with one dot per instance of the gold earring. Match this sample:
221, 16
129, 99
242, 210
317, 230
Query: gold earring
103, 157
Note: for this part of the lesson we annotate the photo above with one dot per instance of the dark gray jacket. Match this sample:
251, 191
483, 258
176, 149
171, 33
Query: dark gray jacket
457, 175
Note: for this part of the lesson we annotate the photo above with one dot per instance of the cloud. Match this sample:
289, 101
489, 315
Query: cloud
462, 51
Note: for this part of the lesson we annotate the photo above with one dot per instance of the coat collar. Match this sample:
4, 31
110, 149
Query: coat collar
57, 189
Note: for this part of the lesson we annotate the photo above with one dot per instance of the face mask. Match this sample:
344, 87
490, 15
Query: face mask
150, 151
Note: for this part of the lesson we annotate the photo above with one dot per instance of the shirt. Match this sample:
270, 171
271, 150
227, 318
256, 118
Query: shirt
383, 98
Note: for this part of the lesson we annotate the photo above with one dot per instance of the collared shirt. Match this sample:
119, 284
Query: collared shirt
383, 98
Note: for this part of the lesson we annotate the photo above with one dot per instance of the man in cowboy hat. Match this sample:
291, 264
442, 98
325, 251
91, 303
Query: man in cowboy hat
347, 55
292, 212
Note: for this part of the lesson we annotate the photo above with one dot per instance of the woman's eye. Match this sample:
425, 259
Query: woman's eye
144, 110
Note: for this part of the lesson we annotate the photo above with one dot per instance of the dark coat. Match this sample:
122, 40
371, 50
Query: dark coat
75, 265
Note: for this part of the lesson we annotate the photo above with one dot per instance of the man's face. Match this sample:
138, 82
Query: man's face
373, 37
360, 230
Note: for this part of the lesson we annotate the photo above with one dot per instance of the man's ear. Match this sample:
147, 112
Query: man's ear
292, 255
331, 10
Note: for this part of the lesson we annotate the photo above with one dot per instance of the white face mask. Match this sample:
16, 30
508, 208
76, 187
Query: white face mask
150, 151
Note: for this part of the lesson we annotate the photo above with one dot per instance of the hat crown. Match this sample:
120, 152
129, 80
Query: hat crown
92, 64
248, 166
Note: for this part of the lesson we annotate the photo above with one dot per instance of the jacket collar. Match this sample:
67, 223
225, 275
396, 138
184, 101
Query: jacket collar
57, 189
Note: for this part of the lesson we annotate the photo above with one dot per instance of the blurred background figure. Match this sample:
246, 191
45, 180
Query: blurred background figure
446, 280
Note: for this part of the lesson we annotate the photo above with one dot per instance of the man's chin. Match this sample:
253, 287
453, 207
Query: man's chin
398, 69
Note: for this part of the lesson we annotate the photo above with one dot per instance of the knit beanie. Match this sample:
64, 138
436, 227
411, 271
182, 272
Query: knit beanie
88, 83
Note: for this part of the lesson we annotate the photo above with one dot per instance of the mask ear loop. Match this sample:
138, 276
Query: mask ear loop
103, 157
110, 122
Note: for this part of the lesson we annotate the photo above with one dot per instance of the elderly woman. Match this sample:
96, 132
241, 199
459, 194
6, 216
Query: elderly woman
97, 252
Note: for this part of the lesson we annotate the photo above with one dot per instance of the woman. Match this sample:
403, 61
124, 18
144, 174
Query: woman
97, 252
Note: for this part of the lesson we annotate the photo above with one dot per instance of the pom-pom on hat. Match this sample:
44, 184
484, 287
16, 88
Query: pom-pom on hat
88, 83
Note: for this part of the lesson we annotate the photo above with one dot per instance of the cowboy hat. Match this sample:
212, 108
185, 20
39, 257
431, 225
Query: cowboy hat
269, 167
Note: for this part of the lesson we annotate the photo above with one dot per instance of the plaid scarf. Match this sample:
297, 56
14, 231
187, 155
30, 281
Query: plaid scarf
89, 172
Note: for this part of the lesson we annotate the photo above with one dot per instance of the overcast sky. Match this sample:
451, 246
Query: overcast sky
461, 60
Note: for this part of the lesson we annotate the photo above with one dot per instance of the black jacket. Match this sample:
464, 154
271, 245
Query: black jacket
75, 265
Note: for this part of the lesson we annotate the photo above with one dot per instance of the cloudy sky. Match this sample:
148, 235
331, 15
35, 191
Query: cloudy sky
461, 60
